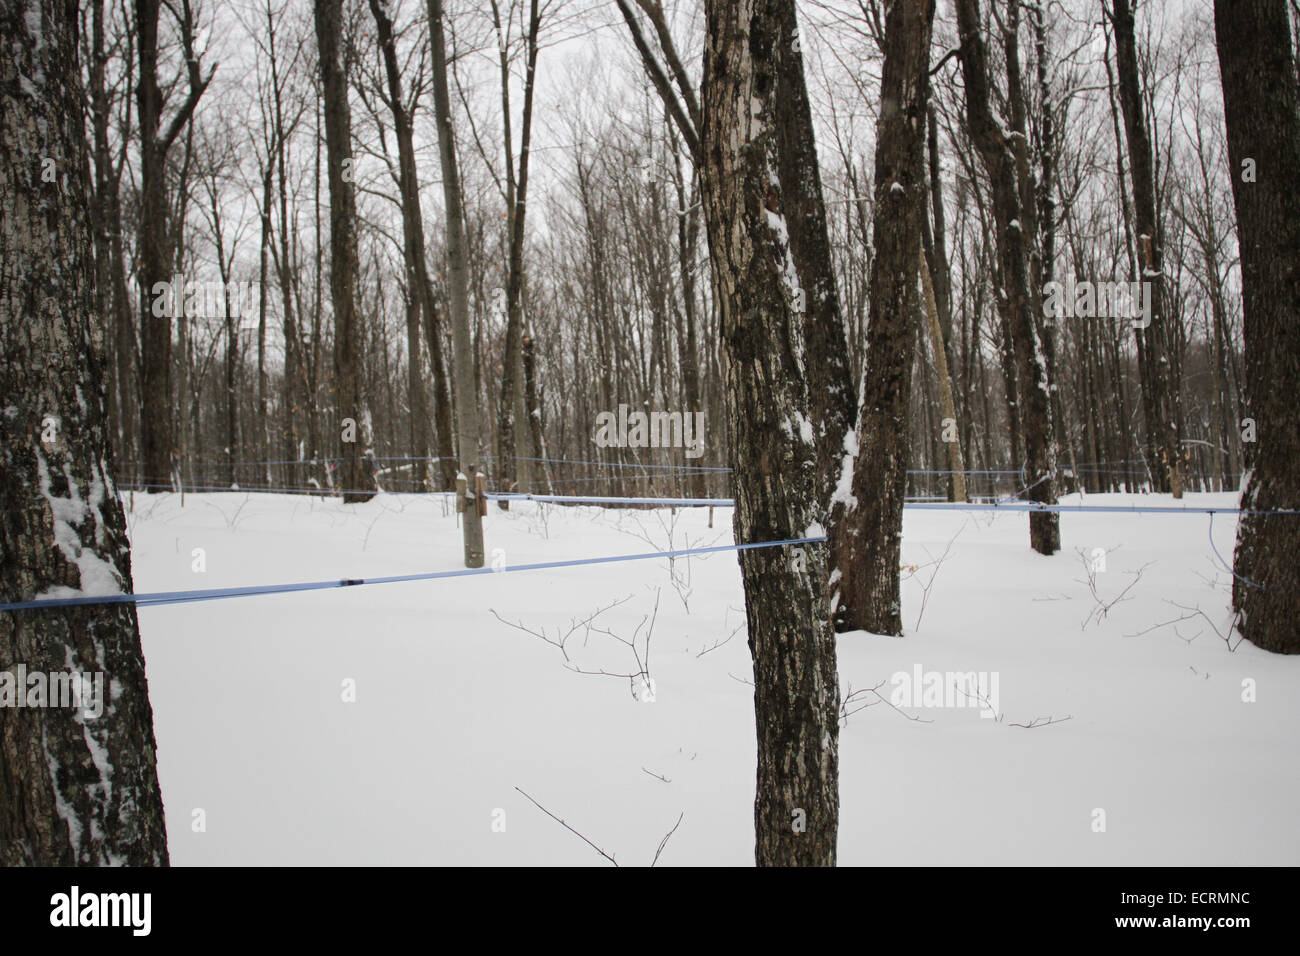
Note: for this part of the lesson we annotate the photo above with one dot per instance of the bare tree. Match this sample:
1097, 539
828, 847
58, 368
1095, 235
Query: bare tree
1017, 296
513, 411
351, 402
419, 286
1159, 387
467, 417
156, 427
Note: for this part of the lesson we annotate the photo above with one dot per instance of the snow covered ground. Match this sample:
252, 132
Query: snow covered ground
454, 709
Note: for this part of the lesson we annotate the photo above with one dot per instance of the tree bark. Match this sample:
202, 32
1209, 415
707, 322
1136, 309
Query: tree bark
750, 62
417, 269
157, 431
74, 789
458, 273
513, 433
350, 400
956, 465
1260, 100
867, 519
1033, 402
1164, 450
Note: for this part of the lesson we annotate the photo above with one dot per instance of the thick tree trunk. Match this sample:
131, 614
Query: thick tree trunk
76, 787
832, 401
867, 520
750, 60
1261, 100
467, 414
354, 474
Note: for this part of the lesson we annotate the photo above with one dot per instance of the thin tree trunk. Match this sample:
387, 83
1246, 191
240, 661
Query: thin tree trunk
512, 414
1162, 430
349, 397
157, 402
467, 418
956, 466
1034, 405
263, 400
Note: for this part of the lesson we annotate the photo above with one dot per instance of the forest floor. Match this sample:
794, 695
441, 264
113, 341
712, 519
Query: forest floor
1186, 744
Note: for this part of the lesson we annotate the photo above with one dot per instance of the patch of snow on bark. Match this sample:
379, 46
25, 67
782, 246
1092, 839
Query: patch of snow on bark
98, 577
844, 487
61, 806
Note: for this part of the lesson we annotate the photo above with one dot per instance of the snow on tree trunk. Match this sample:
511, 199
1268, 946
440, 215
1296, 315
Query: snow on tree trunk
75, 787
867, 515
1017, 297
751, 45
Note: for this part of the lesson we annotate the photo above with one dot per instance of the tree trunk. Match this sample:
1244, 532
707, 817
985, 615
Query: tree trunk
956, 466
350, 401
751, 60
867, 521
158, 438
513, 427
75, 789
420, 287
1164, 454
1033, 402
1260, 100
263, 401
458, 273
156, 402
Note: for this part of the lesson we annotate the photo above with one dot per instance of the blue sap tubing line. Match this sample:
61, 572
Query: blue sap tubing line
215, 594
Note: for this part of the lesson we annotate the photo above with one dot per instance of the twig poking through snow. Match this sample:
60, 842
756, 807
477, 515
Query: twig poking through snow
575, 832
1194, 612
664, 841
1103, 608
936, 563
1044, 721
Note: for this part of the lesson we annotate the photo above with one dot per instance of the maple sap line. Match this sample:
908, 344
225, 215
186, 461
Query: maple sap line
215, 594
